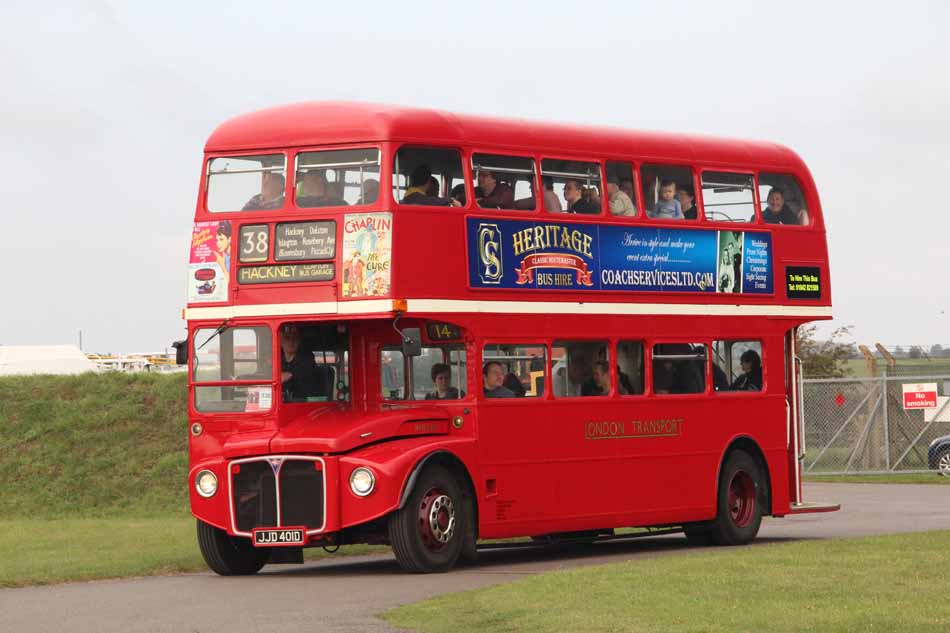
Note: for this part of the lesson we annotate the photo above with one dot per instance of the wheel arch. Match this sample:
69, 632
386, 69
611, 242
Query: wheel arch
750, 446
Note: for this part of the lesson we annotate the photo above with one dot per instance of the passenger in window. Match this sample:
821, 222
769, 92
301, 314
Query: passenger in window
599, 384
687, 199
493, 377
667, 207
552, 203
620, 202
458, 194
625, 385
751, 378
677, 375
626, 186
432, 187
271, 195
442, 379
574, 194
299, 375
370, 191
777, 212
418, 192
495, 194
317, 192
514, 384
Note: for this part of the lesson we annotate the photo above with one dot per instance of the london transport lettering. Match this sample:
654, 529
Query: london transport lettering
538, 255
627, 429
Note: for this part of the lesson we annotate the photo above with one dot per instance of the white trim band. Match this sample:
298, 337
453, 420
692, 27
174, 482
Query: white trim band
372, 306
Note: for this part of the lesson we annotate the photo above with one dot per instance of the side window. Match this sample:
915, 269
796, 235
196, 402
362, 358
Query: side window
233, 354
782, 200
428, 176
662, 187
337, 178
621, 200
630, 368
439, 374
503, 182
580, 368
392, 374
737, 365
246, 183
679, 368
571, 186
513, 371
727, 197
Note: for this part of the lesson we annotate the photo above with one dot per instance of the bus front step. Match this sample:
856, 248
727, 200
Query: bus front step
808, 508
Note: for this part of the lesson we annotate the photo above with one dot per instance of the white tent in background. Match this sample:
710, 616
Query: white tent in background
43, 359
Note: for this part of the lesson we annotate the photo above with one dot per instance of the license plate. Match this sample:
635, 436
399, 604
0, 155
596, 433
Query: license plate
279, 537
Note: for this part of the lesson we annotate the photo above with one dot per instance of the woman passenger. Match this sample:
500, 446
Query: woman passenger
751, 378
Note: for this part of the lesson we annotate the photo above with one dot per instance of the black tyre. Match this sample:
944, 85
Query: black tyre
942, 462
428, 533
229, 555
739, 502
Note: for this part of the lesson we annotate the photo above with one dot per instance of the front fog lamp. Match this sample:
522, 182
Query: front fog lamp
206, 483
362, 481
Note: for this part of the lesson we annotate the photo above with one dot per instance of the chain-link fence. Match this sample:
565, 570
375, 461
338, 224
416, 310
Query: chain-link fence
861, 425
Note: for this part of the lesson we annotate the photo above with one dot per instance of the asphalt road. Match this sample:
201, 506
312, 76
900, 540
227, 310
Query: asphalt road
344, 594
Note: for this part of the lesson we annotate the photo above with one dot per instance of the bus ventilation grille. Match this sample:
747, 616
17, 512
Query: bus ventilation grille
255, 498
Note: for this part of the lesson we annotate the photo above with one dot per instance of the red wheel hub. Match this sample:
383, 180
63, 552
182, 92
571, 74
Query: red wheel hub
741, 498
436, 519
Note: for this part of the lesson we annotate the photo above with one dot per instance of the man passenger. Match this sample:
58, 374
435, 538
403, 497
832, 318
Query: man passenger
271, 195
418, 192
299, 376
620, 202
574, 194
495, 195
493, 377
442, 378
552, 203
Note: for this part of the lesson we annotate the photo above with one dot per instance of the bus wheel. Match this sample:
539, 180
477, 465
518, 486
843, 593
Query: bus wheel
698, 534
739, 510
229, 555
427, 533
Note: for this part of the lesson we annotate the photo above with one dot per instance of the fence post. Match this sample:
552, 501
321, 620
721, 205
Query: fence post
887, 434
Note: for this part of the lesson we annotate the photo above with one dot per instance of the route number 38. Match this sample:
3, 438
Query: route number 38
255, 239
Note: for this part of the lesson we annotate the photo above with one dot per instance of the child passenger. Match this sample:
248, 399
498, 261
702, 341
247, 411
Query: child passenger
667, 207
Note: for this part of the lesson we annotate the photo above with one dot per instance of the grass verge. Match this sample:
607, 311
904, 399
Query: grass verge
891, 583
889, 478
39, 552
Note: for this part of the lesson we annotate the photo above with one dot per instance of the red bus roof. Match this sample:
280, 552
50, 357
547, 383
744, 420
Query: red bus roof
326, 123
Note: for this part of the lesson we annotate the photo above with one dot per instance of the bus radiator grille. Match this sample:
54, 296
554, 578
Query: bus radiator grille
255, 496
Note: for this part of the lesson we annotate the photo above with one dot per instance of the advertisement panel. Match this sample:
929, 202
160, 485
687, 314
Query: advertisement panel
517, 254
209, 264
367, 254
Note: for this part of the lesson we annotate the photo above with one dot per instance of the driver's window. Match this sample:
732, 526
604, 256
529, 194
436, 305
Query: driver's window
314, 362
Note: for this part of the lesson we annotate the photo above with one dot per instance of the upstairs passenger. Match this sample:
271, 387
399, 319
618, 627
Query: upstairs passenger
458, 194
620, 202
751, 378
315, 191
370, 191
442, 379
552, 204
271, 195
418, 192
626, 186
687, 200
299, 376
667, 207
574, 194
495, 195
494, 376
777, 212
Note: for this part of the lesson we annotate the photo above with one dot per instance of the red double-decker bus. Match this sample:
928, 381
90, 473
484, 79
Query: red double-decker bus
426, 329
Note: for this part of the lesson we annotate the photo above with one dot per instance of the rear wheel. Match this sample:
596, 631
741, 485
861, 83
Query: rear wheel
428, 533
229, 555
943, 462
739, 509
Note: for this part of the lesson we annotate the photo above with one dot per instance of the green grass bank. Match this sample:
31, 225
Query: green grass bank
890, 583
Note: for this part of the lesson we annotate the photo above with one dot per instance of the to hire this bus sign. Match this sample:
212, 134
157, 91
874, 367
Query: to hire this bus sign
920, 396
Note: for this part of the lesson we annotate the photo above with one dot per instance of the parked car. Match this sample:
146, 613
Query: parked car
938, 455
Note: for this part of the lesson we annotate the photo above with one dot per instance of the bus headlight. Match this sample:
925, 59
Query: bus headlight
206, 483
362, 481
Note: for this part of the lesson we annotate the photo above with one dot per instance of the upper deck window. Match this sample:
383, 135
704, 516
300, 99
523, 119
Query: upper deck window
335, 178
782, 201
503, 182
663, 186
727, 197
576, 186
621, 200
246, 183
428, 176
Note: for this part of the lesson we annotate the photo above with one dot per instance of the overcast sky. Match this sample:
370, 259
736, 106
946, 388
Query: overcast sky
105, 108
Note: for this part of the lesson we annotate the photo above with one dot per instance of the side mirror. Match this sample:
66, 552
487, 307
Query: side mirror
412, 341
181, 352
